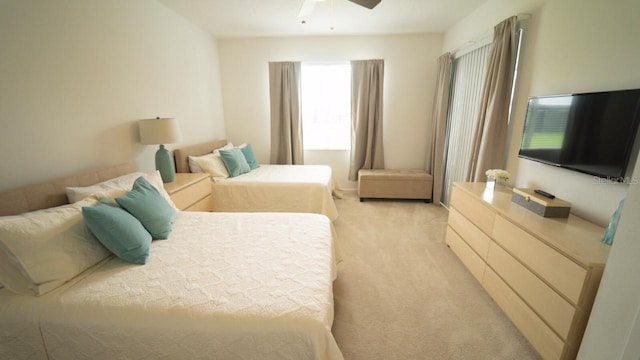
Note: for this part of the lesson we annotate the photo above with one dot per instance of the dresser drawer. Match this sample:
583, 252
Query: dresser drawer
550, 265
543, 339
473, 210
553, 309
205, 204
469, 258
192, 194
472, 235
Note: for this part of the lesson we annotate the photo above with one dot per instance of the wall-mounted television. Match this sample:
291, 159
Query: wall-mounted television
593, 133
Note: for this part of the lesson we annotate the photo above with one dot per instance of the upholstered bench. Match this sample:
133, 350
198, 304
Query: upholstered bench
394, 184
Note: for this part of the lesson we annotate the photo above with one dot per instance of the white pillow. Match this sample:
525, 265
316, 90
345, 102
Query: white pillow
110, 189
228, 146
41, 250
194, 167
193, 164
213, 164
119, 186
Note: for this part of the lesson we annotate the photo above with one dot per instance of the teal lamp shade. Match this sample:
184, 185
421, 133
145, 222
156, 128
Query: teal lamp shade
159, 132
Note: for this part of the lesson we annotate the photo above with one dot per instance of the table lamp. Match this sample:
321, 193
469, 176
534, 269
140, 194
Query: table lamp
159, 132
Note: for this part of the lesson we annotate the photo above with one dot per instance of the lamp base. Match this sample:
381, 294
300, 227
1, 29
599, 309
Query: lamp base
164, 164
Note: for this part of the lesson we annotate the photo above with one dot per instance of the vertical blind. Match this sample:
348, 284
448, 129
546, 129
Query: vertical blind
466, 87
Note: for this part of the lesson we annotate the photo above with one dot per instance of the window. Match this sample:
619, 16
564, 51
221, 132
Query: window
326, 106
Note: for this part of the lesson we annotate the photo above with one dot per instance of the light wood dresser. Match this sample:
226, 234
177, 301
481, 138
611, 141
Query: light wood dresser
191, 192
542, 272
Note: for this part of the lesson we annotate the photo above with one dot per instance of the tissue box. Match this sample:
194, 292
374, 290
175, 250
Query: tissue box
543, 206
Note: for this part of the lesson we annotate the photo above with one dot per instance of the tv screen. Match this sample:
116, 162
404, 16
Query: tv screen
593, 133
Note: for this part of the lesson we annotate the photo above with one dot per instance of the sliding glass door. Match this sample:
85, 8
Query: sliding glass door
466, 86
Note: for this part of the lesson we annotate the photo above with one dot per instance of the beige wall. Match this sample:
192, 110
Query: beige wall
570, 46
576, 46
613, 331
75, 76
410, 65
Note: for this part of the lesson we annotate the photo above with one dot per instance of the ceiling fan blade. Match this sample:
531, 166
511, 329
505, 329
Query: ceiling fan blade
369, 4
307, 8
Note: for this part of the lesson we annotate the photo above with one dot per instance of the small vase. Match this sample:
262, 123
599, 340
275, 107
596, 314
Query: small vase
497, 184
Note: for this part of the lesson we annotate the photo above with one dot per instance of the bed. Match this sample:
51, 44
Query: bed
269, 188
221, 286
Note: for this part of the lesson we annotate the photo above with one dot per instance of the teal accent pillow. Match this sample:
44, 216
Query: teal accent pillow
610, 231
147, 205
235, 162
118, 231
247, 151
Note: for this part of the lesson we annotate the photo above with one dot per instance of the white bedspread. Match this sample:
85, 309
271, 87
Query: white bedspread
223, 286
278, 188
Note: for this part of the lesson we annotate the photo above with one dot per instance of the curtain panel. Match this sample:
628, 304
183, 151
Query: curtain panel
435, 155
286, 113
490, 136
367, 82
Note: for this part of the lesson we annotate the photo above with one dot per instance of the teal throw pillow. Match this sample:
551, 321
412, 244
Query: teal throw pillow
610, 231
147, 205
247, 151
234, 161
118, 231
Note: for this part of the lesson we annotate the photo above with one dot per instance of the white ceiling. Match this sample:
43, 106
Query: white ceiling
256, 18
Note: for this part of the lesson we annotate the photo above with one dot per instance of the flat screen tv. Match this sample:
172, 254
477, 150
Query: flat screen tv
593, 133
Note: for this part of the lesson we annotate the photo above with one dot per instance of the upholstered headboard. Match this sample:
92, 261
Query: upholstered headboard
182, 155
53, 193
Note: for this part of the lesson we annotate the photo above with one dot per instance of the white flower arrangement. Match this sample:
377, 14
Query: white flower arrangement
497, 174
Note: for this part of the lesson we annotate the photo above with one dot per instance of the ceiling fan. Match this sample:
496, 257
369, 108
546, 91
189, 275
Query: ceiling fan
308, 5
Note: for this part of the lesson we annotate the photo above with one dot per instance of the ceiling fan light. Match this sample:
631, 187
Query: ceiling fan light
369, 4
307, 8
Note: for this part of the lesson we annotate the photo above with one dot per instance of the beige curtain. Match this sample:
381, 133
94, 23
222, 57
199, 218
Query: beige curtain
286, 114
435, 155
490, 137
367, 81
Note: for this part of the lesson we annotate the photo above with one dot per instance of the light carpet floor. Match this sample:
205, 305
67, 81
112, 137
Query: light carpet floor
401, 293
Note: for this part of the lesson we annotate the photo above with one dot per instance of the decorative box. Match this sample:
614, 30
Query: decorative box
543, 206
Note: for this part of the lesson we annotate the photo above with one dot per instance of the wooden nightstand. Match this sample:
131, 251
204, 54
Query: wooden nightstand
191, 192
